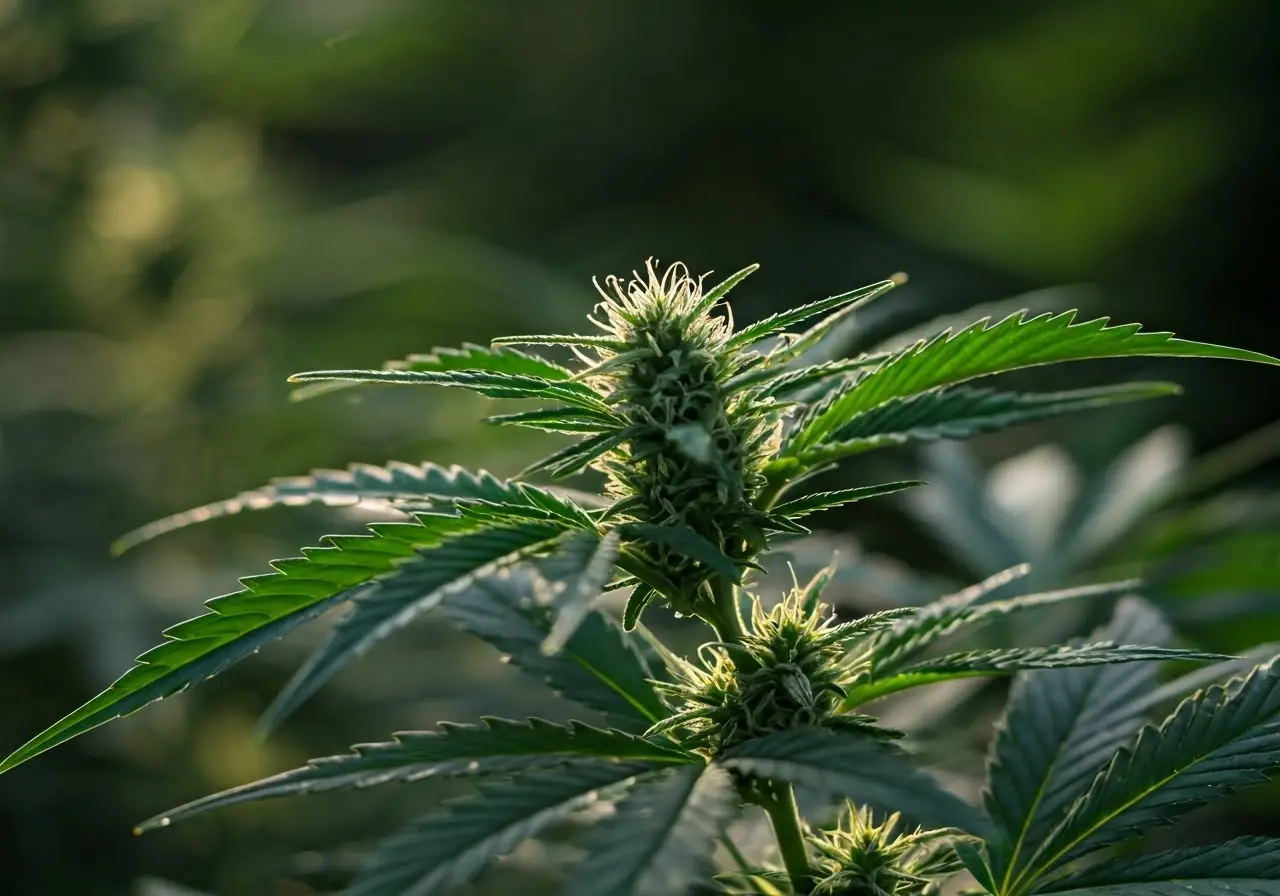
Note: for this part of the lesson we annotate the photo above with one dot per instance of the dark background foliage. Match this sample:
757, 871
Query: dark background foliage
197, 199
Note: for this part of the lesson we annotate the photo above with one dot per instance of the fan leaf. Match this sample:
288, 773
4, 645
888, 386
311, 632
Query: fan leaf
491, 385
661, 839
424, 483
417, 586
498, 746
579, 571
1058, 729
986, 348
468, 357
776, 323
1216, 742
850, 765
601, 667
451, 847
962, 413
979, 663
818, 501
1246, 866
241, 623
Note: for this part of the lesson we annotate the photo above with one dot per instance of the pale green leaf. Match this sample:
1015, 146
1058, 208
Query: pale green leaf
241, 623
986, 348
817, 501
962, 413
781, 321
422, 483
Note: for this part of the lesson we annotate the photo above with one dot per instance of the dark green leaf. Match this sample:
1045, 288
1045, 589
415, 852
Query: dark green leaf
601, 667
499, 746
662, 837
683, 540
574, 458
577, 574
1058, 729
640, 598
566, 420
1247, 866
417, 586
1216, 742
451, 847
851, 765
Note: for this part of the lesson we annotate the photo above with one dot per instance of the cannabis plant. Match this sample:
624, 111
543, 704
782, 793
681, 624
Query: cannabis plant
703, 434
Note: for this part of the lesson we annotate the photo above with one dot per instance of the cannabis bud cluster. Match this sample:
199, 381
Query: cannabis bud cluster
790, 669
694, 446
861, 858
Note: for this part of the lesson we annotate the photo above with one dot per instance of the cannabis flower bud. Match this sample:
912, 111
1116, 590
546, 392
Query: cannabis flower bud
694, 446
860, 858
789, 670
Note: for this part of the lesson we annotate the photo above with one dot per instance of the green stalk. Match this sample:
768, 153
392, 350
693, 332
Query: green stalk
784, 814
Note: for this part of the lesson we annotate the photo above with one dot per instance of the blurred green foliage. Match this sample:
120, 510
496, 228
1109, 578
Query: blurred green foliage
198, 199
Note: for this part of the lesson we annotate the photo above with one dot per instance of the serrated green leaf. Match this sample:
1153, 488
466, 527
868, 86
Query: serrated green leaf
564, 341
986, 348
491, 385
578, 572
851, 765
1058, 729
640, 598
601, 667
574, 458
720, 290
776, 323
1216, 742
498, 746
468, 357
416, 587
426, 483
661, 838
452, 846
683, 540
961, 413
812, 503
779, 381
241, 623
894, 650
1246, 865
980, 663
566, 420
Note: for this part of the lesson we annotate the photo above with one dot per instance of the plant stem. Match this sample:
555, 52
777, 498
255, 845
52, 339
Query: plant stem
784, 814
727, 621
